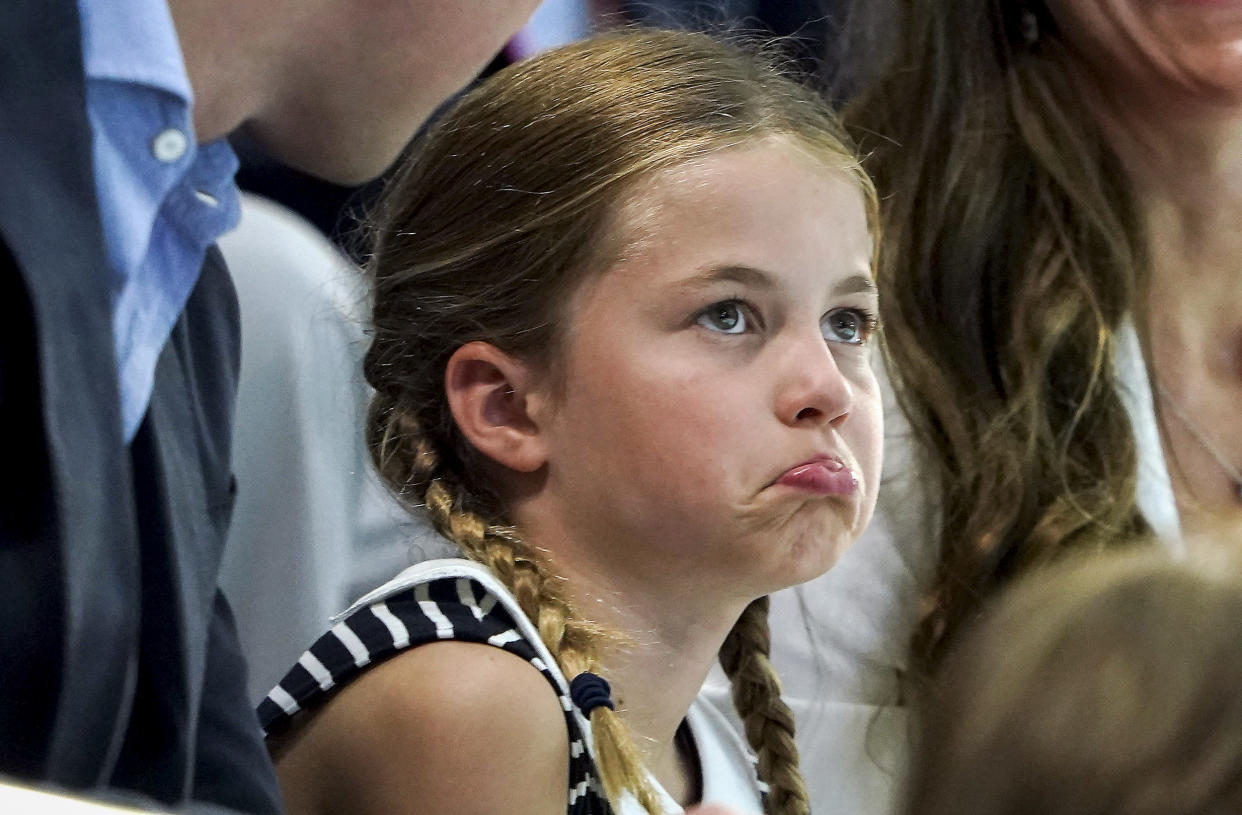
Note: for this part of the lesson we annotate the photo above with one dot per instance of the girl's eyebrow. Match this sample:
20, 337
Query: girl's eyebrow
733, 273
856, 284
760, 279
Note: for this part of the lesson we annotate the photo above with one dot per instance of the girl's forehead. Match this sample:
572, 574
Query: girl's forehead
801, 223
738, 184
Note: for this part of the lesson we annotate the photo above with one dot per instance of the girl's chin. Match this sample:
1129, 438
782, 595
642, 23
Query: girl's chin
812, 558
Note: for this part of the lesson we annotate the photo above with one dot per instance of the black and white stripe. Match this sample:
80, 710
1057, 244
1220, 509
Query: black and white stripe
450, 607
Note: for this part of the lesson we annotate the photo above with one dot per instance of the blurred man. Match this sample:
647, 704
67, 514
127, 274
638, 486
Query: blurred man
118, 349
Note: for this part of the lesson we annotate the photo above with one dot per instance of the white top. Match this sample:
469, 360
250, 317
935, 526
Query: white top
839, 641
726, 766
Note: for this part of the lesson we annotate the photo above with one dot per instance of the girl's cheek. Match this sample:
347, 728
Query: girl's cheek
856, 364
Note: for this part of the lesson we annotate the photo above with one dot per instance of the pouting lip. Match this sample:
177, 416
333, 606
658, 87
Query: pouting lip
834, 463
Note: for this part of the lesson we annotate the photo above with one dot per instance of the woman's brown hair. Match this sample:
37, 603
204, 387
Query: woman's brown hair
1013, 251
1107, 685
503, 209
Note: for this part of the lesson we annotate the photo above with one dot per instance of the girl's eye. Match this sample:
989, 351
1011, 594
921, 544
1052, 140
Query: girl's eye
727, 317
848, 325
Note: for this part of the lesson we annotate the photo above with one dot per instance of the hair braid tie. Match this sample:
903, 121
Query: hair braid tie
589, 691
571, 639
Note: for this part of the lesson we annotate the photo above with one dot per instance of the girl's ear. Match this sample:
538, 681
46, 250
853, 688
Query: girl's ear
488, 393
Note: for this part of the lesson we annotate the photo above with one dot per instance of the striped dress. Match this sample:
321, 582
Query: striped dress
434, 600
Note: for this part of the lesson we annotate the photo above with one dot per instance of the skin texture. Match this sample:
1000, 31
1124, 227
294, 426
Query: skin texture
335, 89
642, 465
622, 464
1182, 51
404, 735
646, 461
1165, 77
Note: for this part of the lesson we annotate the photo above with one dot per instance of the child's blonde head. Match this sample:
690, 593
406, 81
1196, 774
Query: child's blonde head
502, 211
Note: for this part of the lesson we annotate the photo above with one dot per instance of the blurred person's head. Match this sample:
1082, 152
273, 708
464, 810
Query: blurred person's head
335, 88
1107, 685
1016, 147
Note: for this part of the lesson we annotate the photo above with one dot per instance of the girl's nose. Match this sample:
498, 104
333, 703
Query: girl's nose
813, 389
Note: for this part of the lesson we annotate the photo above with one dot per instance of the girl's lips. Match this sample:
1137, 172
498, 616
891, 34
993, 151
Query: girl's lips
823, 476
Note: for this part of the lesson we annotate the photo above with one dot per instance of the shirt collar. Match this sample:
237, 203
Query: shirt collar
133, 41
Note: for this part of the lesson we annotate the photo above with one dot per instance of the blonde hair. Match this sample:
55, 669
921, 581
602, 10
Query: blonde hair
1107, 683
499, 214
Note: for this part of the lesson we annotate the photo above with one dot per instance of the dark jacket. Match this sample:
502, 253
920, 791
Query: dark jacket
119, 664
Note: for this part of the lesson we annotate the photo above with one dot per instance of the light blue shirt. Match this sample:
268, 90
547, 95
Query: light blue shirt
163, 199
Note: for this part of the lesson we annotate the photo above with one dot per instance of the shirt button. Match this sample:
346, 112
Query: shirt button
169, 145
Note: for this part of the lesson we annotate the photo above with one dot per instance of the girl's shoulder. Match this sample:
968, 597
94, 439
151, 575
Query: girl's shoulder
452, 728
432, 675
433, 601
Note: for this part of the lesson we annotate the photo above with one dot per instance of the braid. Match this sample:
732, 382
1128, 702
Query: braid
400, 451
768, 722
620, 764
408, 461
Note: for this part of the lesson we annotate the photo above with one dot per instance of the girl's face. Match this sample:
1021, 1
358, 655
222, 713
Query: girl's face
718, 416
1159, 49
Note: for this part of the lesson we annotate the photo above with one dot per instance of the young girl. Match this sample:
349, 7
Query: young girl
622, 328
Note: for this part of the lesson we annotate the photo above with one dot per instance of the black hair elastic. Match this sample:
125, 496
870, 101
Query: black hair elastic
589, 691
